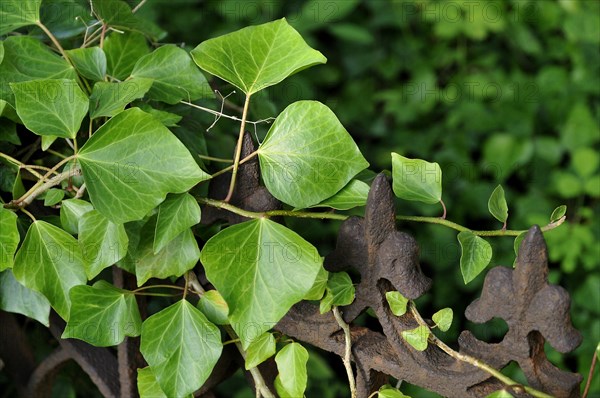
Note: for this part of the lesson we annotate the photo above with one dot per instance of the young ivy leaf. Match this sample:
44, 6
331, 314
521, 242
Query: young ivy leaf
443, 319
181, 346
53, 196
102, 315
416, 179
291, 364
15, 14
89, 62
318, 289
307, 155
397, 303
122, 52
176, 214
497, 205
352, 195
417, 337
17, 298
257, 57
260, 350
558, 213
388, 391
9, 238
475, 255
214, 307
109, 98
261, 269
340, 291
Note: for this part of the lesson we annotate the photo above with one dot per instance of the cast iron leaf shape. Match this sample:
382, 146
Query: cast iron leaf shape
535, 311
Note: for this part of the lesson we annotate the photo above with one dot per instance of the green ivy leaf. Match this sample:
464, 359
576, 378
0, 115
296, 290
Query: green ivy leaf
9, 238
123, 51
118, 14
340, 291
71, 211
177, 257
257, 57
102, 315
53, 196
214, 307
500, 394
352, 195
558, 213
318, 289
517, 242
40, 63
497, 205
291, 364
51, 107
175, 75
417, 337
89, 62
307, 155
167, 118
397, 303
260, 350
127, 180
181, 346
108, 99
147, 385
102, 242
261, 268
50, 262
388, 391
17, 298
443, 319
416, 179
475, 255
15, 14
176, 214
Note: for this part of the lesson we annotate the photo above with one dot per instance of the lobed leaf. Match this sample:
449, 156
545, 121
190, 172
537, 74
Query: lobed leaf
417, 337
89, 62
397, 303
122, 52
15, 14
443, 319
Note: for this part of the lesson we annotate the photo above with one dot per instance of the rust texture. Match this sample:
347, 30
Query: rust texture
386, 259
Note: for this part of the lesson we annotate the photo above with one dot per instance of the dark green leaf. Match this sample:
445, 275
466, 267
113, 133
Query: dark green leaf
102, 315
89, 62
123, 51
291, 364
416, 179
181, 346
176, 214
108, 99
260, 350
132, 162
257, 57
261, 268
21, 300
443, 319
9, 238
167, 118
475, 255
18, 13
417, 337
497, 205
102, 242
118, 14
50, 262
53, 196
214, 307
71, 211
307, 155
175, 75
397, 303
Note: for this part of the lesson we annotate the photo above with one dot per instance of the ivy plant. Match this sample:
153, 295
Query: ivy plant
115, 186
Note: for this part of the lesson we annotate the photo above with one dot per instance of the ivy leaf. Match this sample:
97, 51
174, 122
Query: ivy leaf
108, 99
260, 350
417, 337
177, 257
416, 179
291, 364
40, 63
17, 298
340, 291
397, 303
475, 255
500, 394
257, 57
9, 238
167, 118
50, 262
15, 14
352, 195
388, 391
118, 14
132, 162
53, 196
307, 155
89, 62
558, 213
102, 315
176, 214
47, 140
175, 75
261, 269
102, 242
517, 242
443, 319
181, 346
497, 205
214, 307
148, 386
71, 211
51, 107
123, 51
319, 287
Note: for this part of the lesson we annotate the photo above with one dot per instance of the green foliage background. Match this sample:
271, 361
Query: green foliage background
496, 92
